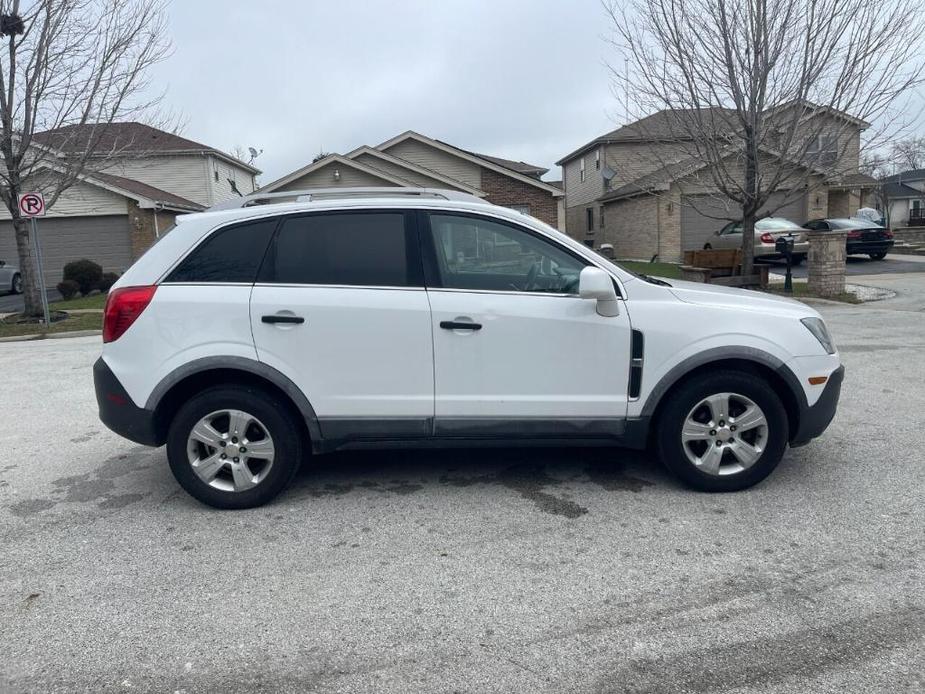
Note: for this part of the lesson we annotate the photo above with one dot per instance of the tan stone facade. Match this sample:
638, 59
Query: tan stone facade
826, 262
509, 192
643, 227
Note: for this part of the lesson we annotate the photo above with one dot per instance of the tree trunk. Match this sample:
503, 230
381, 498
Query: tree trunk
748, 205
32, 284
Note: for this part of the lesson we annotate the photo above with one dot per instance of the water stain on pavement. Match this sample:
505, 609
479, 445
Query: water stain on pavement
96, 486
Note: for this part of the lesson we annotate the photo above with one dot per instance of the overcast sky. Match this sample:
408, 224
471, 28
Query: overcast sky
521, 79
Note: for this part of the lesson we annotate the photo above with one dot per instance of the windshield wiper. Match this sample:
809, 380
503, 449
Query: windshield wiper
652, 280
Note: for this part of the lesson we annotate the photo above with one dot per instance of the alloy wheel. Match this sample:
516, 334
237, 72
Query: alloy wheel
230, 450
724, 434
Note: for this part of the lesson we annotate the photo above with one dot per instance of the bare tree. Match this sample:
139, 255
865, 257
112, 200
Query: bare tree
69, 63
762, 97
909, 153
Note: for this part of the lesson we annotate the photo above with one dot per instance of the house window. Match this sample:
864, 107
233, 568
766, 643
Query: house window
581, 171
823, 149
602, 216
216, 174
590, 214
523, 209
597, 160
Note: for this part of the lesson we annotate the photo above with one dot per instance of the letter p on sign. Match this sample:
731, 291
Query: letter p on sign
32, 205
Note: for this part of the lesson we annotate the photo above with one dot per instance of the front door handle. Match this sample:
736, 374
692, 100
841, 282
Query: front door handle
282, 319
458, 325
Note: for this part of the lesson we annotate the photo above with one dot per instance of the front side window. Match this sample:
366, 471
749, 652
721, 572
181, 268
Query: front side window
479, 254
231, 254
349, 248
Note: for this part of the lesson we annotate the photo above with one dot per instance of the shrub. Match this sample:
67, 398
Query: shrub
85, 273
68, 288
109, 279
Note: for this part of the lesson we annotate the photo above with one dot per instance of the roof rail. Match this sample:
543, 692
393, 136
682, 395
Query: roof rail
312, 194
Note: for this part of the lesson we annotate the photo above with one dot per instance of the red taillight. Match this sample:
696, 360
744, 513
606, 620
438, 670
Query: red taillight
766, 238
123, 306
887, 234
854, 234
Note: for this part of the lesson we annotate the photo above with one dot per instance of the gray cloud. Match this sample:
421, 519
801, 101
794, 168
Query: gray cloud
523, 80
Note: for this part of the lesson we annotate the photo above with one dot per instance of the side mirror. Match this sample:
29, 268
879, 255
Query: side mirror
594, 283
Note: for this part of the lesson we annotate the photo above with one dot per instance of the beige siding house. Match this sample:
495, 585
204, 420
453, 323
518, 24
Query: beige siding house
414, 160
640, 189
138, 180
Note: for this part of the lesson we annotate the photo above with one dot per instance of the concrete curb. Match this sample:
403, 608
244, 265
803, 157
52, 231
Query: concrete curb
51, 336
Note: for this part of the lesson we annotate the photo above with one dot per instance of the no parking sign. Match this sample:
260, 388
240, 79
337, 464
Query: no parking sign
32, 205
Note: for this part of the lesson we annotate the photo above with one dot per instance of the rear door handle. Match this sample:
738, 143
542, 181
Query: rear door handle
457, 325
282, 319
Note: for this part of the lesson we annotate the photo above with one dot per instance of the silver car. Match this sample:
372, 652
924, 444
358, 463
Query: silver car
10, 279
767, 231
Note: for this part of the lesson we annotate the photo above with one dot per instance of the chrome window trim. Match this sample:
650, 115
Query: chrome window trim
503, 292
292, 285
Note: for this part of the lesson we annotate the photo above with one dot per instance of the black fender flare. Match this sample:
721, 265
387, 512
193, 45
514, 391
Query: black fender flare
250, 366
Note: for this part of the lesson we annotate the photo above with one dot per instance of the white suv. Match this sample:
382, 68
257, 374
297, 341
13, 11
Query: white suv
322, 320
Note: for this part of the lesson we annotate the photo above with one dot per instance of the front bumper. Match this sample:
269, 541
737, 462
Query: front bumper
118, 412
816, 418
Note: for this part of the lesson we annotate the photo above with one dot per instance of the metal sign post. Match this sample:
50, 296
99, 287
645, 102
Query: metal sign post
32, 205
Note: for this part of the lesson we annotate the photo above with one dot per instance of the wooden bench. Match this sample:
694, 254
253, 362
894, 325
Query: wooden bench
723, 267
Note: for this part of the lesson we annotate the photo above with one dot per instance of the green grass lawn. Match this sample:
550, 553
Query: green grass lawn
666, 270
92, 301
80, 321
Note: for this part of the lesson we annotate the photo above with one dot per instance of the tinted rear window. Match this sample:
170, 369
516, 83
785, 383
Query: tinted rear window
232, 254
351, 248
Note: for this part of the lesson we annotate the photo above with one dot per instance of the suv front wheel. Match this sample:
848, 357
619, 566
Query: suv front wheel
722, 431
234, 447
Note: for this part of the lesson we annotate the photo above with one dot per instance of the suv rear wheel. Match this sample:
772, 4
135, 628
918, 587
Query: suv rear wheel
234, 447
722, 431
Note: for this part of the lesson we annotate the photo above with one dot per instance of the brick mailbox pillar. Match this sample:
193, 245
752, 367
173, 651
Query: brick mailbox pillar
826, 262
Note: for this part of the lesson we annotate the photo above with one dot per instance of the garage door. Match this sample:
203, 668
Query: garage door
104, 240
698, 212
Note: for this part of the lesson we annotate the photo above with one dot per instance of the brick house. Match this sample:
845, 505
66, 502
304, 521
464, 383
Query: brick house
639, 188
412, 159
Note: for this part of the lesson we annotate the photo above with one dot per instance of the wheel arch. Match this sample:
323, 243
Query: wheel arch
196, 376
763, 365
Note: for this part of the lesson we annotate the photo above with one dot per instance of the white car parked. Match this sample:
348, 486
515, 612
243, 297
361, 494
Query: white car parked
322, 320
10, 278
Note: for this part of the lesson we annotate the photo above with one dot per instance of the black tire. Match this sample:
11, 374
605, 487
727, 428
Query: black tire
878, 256
680, 402
797, 258
707, 247
16, 284
275, 416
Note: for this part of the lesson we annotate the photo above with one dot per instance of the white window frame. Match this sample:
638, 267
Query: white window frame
597, 159
581, 170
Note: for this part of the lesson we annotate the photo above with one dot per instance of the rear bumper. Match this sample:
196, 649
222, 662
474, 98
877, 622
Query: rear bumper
815, 419
879, 246
118, 412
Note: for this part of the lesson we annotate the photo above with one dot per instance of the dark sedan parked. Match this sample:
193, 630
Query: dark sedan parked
864, 236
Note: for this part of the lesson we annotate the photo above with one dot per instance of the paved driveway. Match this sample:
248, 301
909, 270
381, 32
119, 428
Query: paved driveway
481, 571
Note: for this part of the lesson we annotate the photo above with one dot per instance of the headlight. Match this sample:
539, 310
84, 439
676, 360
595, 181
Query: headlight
817, 327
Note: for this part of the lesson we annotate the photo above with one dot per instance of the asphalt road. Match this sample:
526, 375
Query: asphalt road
481, 571
12, 303
862, 265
